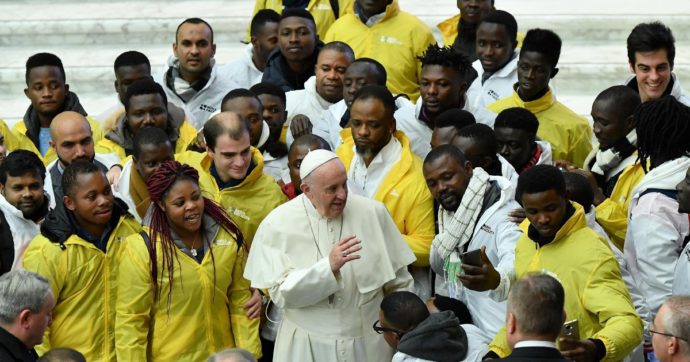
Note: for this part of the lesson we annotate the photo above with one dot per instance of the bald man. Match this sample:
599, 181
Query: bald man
71, 139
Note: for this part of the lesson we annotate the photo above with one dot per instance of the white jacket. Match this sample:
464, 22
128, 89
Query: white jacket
677, 91
498, 86
242, 71
419, 134
546, 157
330, 126
124, 192
656, 231
307, 102
681, 281
205, 102
508, 171
499, 235
23, 230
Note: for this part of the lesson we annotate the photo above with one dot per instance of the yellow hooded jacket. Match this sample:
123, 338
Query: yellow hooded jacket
205, 314
321, 10
405, 195
247, 203
25, 142
449, 31
568, 133
595, 293
11, 142
84, 281
612, 214
187, 135
395, 41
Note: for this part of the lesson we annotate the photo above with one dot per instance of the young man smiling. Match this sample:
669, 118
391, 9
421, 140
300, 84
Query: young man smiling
651, 55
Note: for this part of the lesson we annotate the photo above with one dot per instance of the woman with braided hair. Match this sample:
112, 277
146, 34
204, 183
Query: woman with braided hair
182, 290
656, 231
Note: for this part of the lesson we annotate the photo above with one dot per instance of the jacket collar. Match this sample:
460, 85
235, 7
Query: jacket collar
537, 105
392, 10
16, 348
121, 134
575, 222
32, 123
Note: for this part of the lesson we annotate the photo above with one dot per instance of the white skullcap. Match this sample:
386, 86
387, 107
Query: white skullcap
313, 160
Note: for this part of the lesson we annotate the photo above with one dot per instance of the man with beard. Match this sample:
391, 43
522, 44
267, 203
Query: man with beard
306, 107
249, 69
442, 86
50, 95
381, 164
292, 63
23, 205
193, 81
473, 216
71, 139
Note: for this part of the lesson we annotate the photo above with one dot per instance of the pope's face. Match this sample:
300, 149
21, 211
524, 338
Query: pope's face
326, 188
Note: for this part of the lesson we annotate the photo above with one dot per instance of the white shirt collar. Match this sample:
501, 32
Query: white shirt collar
529, 343
369, 178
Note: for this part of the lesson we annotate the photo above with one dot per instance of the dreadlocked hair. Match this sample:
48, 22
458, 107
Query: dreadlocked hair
445, 57
663, 131
158, 185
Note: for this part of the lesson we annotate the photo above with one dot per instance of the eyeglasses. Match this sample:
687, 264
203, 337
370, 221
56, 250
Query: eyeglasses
652, 331
380, 330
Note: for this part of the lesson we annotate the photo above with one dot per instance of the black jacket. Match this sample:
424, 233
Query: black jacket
279, 73
438, 338
541, 354
13, 350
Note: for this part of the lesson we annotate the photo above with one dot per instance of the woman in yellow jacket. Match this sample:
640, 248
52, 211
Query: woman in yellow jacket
79, 251
181, 290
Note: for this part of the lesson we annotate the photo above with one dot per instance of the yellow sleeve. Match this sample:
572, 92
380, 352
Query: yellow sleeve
581, 146
419, 227
39, 259
613, 217
331, 33
244, 330
11, 141
276, 5
500, 345
96, 129
134, 302
607, 297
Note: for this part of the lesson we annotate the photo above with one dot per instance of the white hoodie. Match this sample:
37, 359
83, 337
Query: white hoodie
656, 231
243, 71
205, 102
23, 230
306, 102
123, 191
499, 235
498, 86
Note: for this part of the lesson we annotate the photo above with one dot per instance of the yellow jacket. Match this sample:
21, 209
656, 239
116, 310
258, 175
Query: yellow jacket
205, 313
11, 141
568, 133
25, 142
186, 131
405, 195
84, 282
595, 293
320, 9
449, 31
395, 41
247, 203
612, 214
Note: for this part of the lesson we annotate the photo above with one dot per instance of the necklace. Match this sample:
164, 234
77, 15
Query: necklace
192, 250
313, 234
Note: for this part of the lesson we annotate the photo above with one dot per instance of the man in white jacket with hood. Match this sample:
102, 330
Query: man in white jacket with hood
307, 106
656, 230
23, 204
249, 69
681, 281
473, 215
193, 81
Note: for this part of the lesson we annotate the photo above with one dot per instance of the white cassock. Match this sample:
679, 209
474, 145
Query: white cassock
328, 318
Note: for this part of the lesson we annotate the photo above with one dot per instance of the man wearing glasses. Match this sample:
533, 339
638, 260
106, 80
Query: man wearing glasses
671, 330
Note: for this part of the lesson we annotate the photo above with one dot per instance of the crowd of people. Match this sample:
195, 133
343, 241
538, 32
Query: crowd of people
350, 189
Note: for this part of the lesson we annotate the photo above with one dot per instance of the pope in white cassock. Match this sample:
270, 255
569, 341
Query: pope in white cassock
328, 259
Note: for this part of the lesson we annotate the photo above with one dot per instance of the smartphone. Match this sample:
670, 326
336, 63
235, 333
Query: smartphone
570, 329
473, 257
